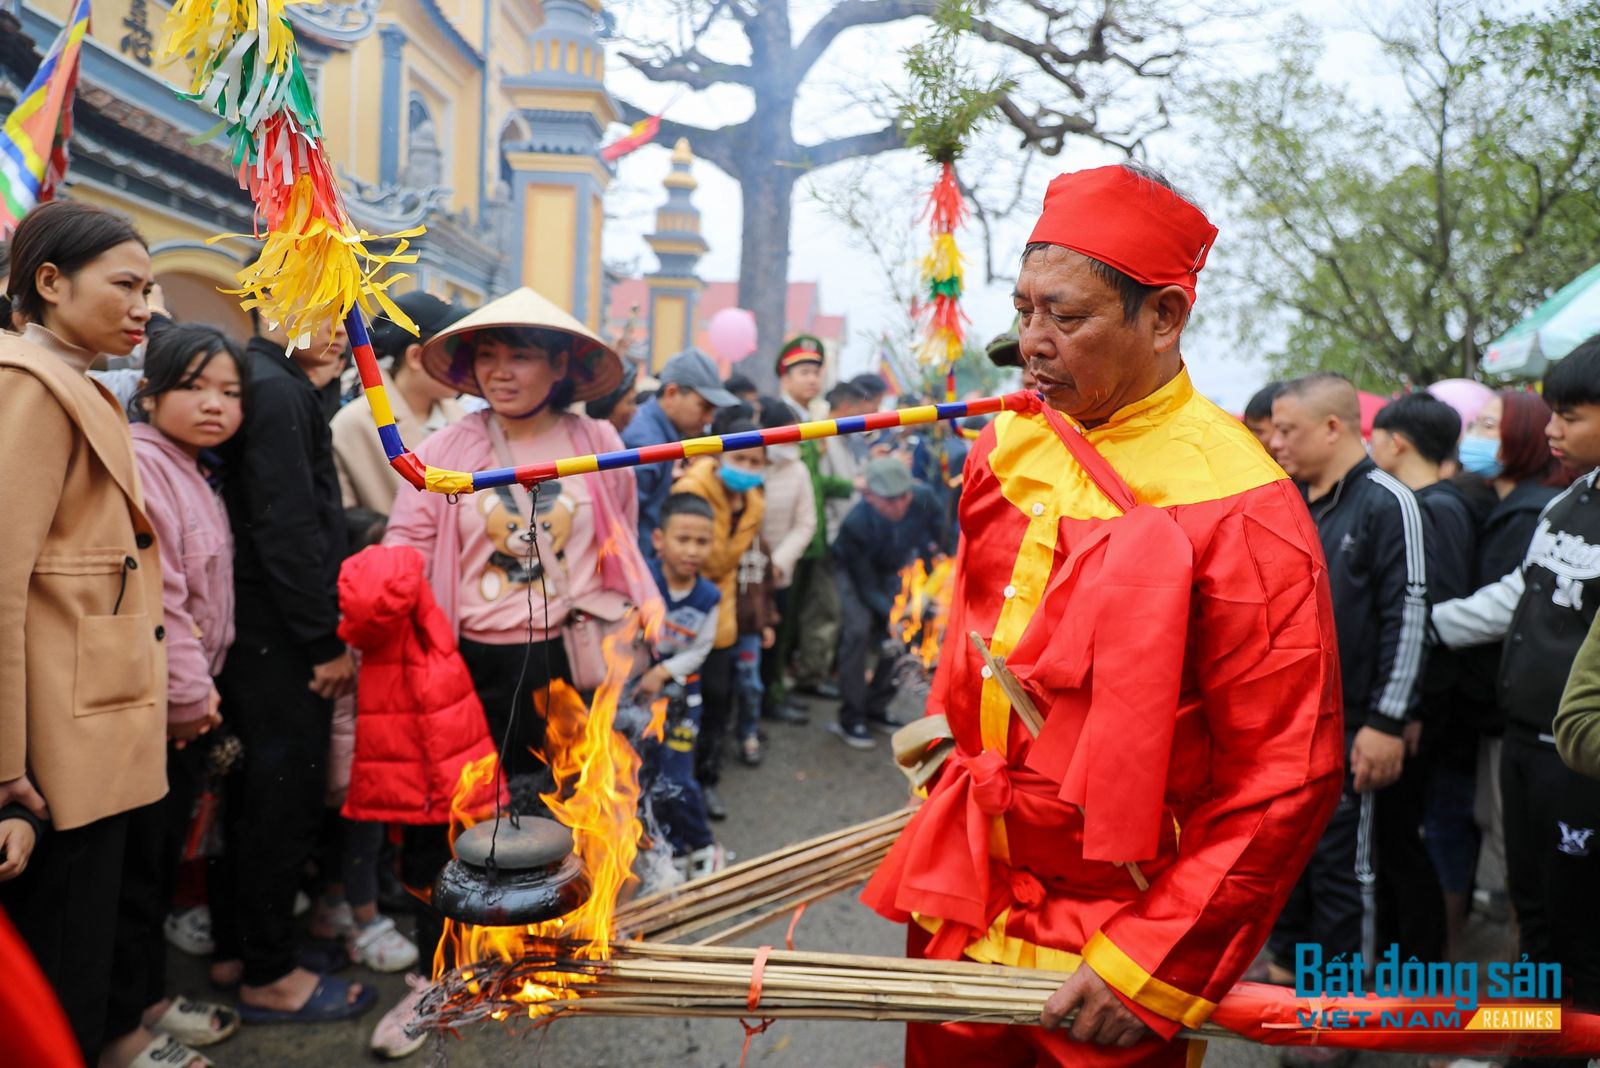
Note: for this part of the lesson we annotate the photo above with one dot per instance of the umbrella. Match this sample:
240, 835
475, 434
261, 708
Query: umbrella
1554, 329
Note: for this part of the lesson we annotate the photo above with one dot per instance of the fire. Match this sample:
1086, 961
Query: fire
596, 796
922, 608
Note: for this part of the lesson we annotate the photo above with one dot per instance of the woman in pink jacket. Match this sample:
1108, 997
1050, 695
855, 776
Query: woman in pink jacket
505, 595
529, 360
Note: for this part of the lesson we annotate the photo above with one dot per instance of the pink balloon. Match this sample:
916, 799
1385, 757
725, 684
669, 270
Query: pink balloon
732, 333
1464, 395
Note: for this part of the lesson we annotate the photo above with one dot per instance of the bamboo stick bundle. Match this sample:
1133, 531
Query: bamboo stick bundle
646, 979
753, 892
650, 979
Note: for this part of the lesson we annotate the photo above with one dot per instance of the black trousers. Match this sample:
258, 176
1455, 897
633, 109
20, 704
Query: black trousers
495, 670
149, 880
424, 851
1552, 819
716, 715
774, 661
1410, 900
860, 632
273, 803
64, 905
1334, 902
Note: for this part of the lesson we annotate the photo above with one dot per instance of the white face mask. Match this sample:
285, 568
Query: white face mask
783, 453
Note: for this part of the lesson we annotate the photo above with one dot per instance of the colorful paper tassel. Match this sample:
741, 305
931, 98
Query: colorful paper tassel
943, 322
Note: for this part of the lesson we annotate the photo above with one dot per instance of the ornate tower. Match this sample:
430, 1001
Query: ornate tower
557, 176
674, 288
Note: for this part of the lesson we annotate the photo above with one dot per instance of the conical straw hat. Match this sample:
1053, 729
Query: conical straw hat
594, 369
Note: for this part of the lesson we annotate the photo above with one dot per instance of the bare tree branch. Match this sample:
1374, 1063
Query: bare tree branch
852, 13
828, 153
719, 146
691, 68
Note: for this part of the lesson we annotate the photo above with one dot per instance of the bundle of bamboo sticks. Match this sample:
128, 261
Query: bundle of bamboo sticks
739, 898
649, 979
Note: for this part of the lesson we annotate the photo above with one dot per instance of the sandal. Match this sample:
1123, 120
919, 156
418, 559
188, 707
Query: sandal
382, 948
164, 1051
197, 1023
328, 1002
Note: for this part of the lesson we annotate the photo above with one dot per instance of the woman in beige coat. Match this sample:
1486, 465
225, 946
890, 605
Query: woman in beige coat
83, 680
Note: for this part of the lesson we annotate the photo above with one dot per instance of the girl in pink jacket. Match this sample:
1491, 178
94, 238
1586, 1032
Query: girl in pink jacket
188, 404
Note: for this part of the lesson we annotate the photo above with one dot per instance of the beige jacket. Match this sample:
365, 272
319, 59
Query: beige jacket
790, 521
365, 478
83, 672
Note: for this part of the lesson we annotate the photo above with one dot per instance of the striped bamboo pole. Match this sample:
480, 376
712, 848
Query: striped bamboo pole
438, 480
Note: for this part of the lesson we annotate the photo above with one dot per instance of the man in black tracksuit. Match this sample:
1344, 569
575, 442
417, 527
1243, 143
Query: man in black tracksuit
1372, 533
286, 664
1543, 610
1418, 870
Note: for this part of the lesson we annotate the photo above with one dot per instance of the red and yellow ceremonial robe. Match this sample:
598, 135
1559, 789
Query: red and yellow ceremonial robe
1169, 614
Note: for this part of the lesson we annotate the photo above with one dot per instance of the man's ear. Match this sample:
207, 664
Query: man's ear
657, 539
1171, 307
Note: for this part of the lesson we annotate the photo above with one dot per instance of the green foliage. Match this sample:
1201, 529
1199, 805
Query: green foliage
946, 99
1393, 242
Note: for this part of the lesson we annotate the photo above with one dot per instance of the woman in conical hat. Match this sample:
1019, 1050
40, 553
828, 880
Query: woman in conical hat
529, 360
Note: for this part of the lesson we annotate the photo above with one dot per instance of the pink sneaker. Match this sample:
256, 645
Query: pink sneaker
392, 1039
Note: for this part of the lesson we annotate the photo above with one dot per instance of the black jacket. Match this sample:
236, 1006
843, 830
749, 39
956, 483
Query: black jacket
1452, 537
1505, 531
871, 551
1373, 536
283, 500
1561, 591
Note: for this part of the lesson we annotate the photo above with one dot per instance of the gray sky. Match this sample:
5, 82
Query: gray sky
851, 282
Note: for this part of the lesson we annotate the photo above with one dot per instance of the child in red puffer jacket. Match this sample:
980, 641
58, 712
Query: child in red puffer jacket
418, 719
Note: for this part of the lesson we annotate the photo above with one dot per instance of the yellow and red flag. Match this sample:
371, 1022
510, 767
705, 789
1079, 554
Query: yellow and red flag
33, 140
643, 132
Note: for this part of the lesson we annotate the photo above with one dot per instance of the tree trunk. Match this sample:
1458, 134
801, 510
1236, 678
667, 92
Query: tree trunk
767, 194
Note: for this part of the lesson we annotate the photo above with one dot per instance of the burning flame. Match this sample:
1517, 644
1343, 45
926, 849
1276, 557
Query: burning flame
922, 608
596, 796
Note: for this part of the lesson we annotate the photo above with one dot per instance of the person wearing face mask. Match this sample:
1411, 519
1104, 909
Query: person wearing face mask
732, 485
788, 526
83, 667
1505, 458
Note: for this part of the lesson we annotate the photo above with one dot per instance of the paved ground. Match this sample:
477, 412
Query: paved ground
810, 783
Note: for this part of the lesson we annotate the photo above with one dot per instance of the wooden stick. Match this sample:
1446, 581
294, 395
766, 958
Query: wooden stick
1028, 713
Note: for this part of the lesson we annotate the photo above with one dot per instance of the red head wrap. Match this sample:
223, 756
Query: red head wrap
1122, 219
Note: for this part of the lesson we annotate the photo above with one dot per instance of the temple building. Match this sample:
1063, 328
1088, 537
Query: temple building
479, 119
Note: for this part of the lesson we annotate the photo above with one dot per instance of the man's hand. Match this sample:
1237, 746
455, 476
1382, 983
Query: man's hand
16, 846
769, 637
21, 790
648, 688
335, 678
1376, 759
1102, 1017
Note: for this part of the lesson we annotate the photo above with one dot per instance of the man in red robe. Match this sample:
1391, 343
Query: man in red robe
1154, 581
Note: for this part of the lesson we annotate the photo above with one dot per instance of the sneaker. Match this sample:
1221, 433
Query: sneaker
704, 861
788, 711
382, 948
825, 690
856, 736
190, 931
394, 1038
1316, 1057
715, 809
750, 750
333, 920
887, 723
